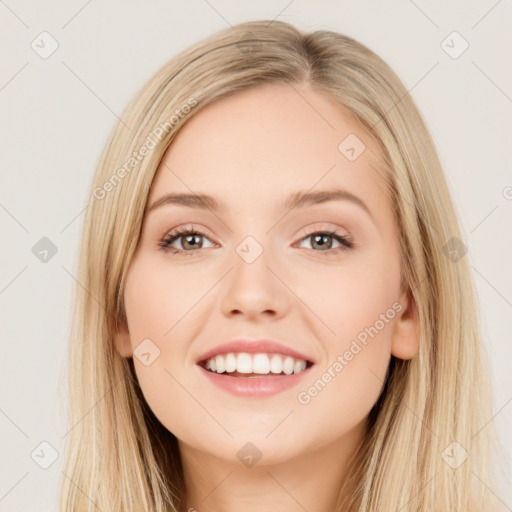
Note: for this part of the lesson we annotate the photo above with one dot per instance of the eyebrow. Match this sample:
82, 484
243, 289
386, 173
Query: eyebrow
299, 199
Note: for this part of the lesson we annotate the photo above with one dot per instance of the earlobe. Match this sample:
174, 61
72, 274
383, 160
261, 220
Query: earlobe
406, 332
122, 341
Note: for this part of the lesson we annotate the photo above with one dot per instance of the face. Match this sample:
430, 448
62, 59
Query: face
321, 277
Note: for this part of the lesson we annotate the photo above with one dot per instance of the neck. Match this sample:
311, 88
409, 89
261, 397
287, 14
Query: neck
310, 481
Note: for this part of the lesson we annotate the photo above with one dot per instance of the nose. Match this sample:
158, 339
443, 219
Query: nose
255, 290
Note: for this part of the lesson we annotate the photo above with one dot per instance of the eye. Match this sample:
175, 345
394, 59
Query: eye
322, 240
190, 243
189, 238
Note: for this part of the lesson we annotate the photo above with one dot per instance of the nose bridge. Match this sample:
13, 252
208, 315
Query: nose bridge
252, 260
251, 249
253, 235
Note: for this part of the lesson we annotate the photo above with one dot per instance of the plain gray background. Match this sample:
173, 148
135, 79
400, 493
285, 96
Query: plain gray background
57, 112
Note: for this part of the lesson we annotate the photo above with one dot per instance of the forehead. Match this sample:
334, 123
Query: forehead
267, 142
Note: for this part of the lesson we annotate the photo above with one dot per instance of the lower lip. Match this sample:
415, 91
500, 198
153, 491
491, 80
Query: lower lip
254, 386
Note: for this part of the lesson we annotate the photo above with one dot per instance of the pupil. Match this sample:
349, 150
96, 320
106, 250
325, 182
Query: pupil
188, 238
321, 237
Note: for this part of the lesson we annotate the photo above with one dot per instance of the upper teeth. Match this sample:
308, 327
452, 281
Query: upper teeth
255, 363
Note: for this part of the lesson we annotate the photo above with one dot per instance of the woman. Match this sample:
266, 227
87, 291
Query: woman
218, 362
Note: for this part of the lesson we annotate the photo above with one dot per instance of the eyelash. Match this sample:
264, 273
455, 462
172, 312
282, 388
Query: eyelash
167, 240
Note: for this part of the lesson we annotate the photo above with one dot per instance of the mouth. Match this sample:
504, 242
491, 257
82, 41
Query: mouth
258, 365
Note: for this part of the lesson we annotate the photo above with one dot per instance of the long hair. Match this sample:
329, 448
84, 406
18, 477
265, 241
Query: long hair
434, 408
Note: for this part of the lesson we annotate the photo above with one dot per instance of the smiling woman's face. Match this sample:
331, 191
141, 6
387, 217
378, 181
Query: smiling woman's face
259, 268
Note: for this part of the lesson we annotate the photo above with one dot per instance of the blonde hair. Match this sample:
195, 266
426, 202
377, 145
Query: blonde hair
118, 455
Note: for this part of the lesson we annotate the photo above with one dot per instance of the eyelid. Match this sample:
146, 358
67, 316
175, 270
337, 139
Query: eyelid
324, 227
189, 227
182, 230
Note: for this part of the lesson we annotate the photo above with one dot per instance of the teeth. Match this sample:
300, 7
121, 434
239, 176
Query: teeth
288, 364
276, 364
230, 363
299, 366
220, 364
262, 364
243, 363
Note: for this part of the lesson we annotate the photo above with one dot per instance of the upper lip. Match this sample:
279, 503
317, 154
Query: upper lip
253, 346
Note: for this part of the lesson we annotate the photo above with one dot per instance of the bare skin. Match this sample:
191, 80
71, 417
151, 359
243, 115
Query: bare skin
251, 151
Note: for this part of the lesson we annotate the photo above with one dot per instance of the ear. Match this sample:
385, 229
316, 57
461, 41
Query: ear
406, 332
122, 341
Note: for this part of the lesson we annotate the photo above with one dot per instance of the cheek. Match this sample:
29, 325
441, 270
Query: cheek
157, 302
353, 296
157, 299
341, 395
366, 311
346, 387
359, 304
